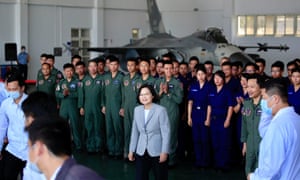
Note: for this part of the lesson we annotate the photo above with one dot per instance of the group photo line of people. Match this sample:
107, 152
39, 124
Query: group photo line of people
158, 113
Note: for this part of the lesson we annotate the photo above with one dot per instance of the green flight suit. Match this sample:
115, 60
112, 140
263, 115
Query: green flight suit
46, 85
90, 97
69, 107
112, 102
150, 81
129, 102
54, 72
171, 102
250, 120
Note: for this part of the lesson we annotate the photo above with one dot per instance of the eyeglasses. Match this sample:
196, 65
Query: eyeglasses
145, 94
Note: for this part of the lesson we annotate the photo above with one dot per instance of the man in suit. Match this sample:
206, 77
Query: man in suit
50, 150
150, 136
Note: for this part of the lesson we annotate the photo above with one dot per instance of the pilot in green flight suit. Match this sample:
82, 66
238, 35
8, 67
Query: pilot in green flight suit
46, 82
90, 97
129, 101
171, 93
145, 77
67, 93
112, 109
251, 114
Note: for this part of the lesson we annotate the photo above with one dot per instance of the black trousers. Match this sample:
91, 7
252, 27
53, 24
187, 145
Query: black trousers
11, 166
145, 163
23, 69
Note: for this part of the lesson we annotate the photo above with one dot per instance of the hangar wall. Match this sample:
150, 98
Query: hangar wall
43, 24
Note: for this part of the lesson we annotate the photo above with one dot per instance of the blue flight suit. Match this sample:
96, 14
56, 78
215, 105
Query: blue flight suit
294, 98
185, 137
221, 137
201, 133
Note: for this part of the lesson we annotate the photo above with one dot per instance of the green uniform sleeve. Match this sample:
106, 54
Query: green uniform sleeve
123, 91
244, 133
80, 95
177, 94
59, 91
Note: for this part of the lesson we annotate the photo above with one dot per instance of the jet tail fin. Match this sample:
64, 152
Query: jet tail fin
155, 18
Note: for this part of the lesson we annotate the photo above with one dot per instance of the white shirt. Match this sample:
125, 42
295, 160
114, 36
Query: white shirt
55, 173
146, 115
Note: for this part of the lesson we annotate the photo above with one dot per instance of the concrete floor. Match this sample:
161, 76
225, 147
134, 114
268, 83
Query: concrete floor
112, 169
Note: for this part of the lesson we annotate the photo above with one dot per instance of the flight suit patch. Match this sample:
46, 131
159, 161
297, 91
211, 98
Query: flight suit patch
106, 82
126, 83
41, 82
98, 82
72, 86
88, 83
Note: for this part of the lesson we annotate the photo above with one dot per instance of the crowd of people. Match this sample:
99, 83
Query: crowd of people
213, 117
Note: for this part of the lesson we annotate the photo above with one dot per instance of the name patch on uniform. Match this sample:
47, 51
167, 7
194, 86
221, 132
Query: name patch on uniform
171, 86
98, 82
41, 81
116, 82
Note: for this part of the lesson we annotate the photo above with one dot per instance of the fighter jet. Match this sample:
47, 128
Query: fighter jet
209, 44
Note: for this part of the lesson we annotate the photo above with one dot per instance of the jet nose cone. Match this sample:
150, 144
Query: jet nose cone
238, 56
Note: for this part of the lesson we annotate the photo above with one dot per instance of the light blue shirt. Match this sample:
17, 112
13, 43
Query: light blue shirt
23, 57
279, 154
265, 120
3, 92
12, 123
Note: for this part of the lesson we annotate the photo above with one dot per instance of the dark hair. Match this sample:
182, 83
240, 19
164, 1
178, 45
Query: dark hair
237, 64
68, 65
208, 62
132, 59
226, 63
278, 64
92, 61
259, 79
175, 61
52, 131
277, 87
260, 60
167, 62
251, 64
152, 58
167, 55
297, 69
75, 57
44, 55
23, 47
80, 63
152, 91
292, 63
100, 60
220, 74
194, 58
46, 64
16, 76
145, 60
184, 63
200, 67
50, 56
112, 58
159, 61
39, 103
